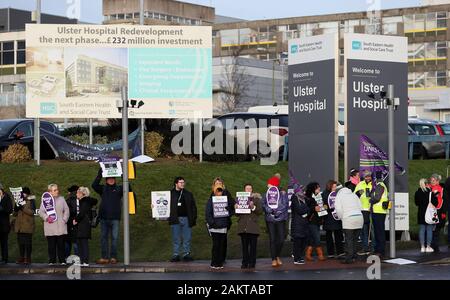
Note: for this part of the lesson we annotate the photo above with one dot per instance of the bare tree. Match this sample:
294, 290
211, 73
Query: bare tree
235, 83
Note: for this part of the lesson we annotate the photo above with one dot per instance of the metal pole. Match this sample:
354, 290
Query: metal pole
126, 225
200, 134
141, 22
273, 83
91, 135
282, 83
391, 109
37, 123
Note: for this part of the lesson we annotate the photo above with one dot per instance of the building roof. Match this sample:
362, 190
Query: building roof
224, 19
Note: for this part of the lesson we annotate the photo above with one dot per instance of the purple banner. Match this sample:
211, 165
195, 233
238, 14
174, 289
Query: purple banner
49, 205
373, 159
331, 204
272, 197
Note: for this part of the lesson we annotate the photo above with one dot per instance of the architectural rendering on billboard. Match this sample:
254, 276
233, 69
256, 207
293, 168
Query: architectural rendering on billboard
372, 63
77, 71
313, 138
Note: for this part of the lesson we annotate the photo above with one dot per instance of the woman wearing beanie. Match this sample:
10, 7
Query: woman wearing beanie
276, 205
312, 193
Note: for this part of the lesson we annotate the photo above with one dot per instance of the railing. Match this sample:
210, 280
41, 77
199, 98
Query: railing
423, 139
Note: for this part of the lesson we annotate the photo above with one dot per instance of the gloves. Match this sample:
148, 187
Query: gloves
385, 204
100, 172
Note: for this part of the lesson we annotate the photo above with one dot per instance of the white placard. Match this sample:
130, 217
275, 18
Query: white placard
111, 169
161, 205
220, 206
401, 212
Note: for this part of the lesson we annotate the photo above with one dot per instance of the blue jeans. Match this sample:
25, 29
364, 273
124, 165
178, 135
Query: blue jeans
109, 227
428, 231
181, 231
314, 235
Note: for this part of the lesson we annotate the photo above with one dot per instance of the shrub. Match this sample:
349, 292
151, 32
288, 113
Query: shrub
84, 139
16, 153
153, 144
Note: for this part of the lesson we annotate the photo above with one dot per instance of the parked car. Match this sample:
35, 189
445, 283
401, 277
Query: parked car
22, 131
255, 132
425, 127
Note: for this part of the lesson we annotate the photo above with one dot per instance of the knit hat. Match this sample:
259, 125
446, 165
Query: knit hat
367, 173
73, 188
275, 181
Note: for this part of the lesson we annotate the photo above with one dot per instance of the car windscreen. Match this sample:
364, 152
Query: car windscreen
6, 126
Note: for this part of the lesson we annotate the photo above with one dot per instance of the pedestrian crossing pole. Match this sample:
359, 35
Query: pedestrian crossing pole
391, 109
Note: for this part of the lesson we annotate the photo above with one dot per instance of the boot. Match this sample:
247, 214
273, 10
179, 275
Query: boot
308, 254
320, 254
20, 261
279, 262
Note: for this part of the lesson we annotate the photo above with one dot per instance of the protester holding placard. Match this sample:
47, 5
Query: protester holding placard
331, 224
74, 207
219, 209
299, 224
24, 225
313, 194
55, 213
276, 206
82, 223
110, 214
425, 198
183, 216
248, 227
6, 208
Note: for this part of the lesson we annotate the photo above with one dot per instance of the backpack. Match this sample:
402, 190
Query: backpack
431, 214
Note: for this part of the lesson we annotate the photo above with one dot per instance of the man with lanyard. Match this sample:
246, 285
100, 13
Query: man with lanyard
363, 190
183, 216
379, 207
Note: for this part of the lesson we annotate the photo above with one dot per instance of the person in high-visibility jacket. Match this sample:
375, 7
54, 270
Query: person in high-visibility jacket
379, 207
363, 190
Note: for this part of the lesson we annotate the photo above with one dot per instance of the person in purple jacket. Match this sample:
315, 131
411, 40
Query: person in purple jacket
275, 205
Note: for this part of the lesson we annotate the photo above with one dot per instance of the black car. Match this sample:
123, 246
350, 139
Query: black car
22, 131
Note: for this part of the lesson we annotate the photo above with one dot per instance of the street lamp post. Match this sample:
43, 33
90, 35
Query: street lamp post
391, 101
37, 123
126, 221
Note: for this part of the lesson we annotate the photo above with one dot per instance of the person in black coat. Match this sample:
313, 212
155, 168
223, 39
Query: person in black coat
218, 228
447, 201
299, 225
82, 223
71, 238
315, 221
6, 208
422, 198
109, 215
183, 216
333, 227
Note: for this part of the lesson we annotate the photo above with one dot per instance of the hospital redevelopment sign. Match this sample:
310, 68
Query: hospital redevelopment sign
77, 71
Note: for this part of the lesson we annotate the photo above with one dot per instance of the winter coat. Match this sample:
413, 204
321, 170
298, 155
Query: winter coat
350, 185
348, 209
248, 223
72, 204
24, 216
330, 223
222, 222
281, 212
84, 218
313, 217
6, 208
300, 223
421, 198
111, 205
59, 227
189, 202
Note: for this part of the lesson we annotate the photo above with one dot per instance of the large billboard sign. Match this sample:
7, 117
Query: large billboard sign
77, 71
313, 137
372, 62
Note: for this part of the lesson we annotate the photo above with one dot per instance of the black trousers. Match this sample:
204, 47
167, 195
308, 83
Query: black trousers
249, 242
24, 240
334, 244
277, 233
351, 242
4, 245
56, 245
299, 248
379, 231
83, 250
436, 236
219, 248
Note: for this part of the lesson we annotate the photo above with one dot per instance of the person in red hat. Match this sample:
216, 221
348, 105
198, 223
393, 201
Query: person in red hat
276, 205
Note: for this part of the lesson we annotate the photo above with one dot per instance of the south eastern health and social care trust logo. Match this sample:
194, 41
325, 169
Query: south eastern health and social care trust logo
294, 49
356, 45
48, 108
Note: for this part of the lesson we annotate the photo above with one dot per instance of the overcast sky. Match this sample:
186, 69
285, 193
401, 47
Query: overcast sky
91, 10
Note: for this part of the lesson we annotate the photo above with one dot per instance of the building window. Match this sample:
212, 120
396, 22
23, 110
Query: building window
7, 53
20, 52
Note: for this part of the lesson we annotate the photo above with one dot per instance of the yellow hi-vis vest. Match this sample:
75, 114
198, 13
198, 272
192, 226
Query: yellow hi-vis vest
362, 186
378, 207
